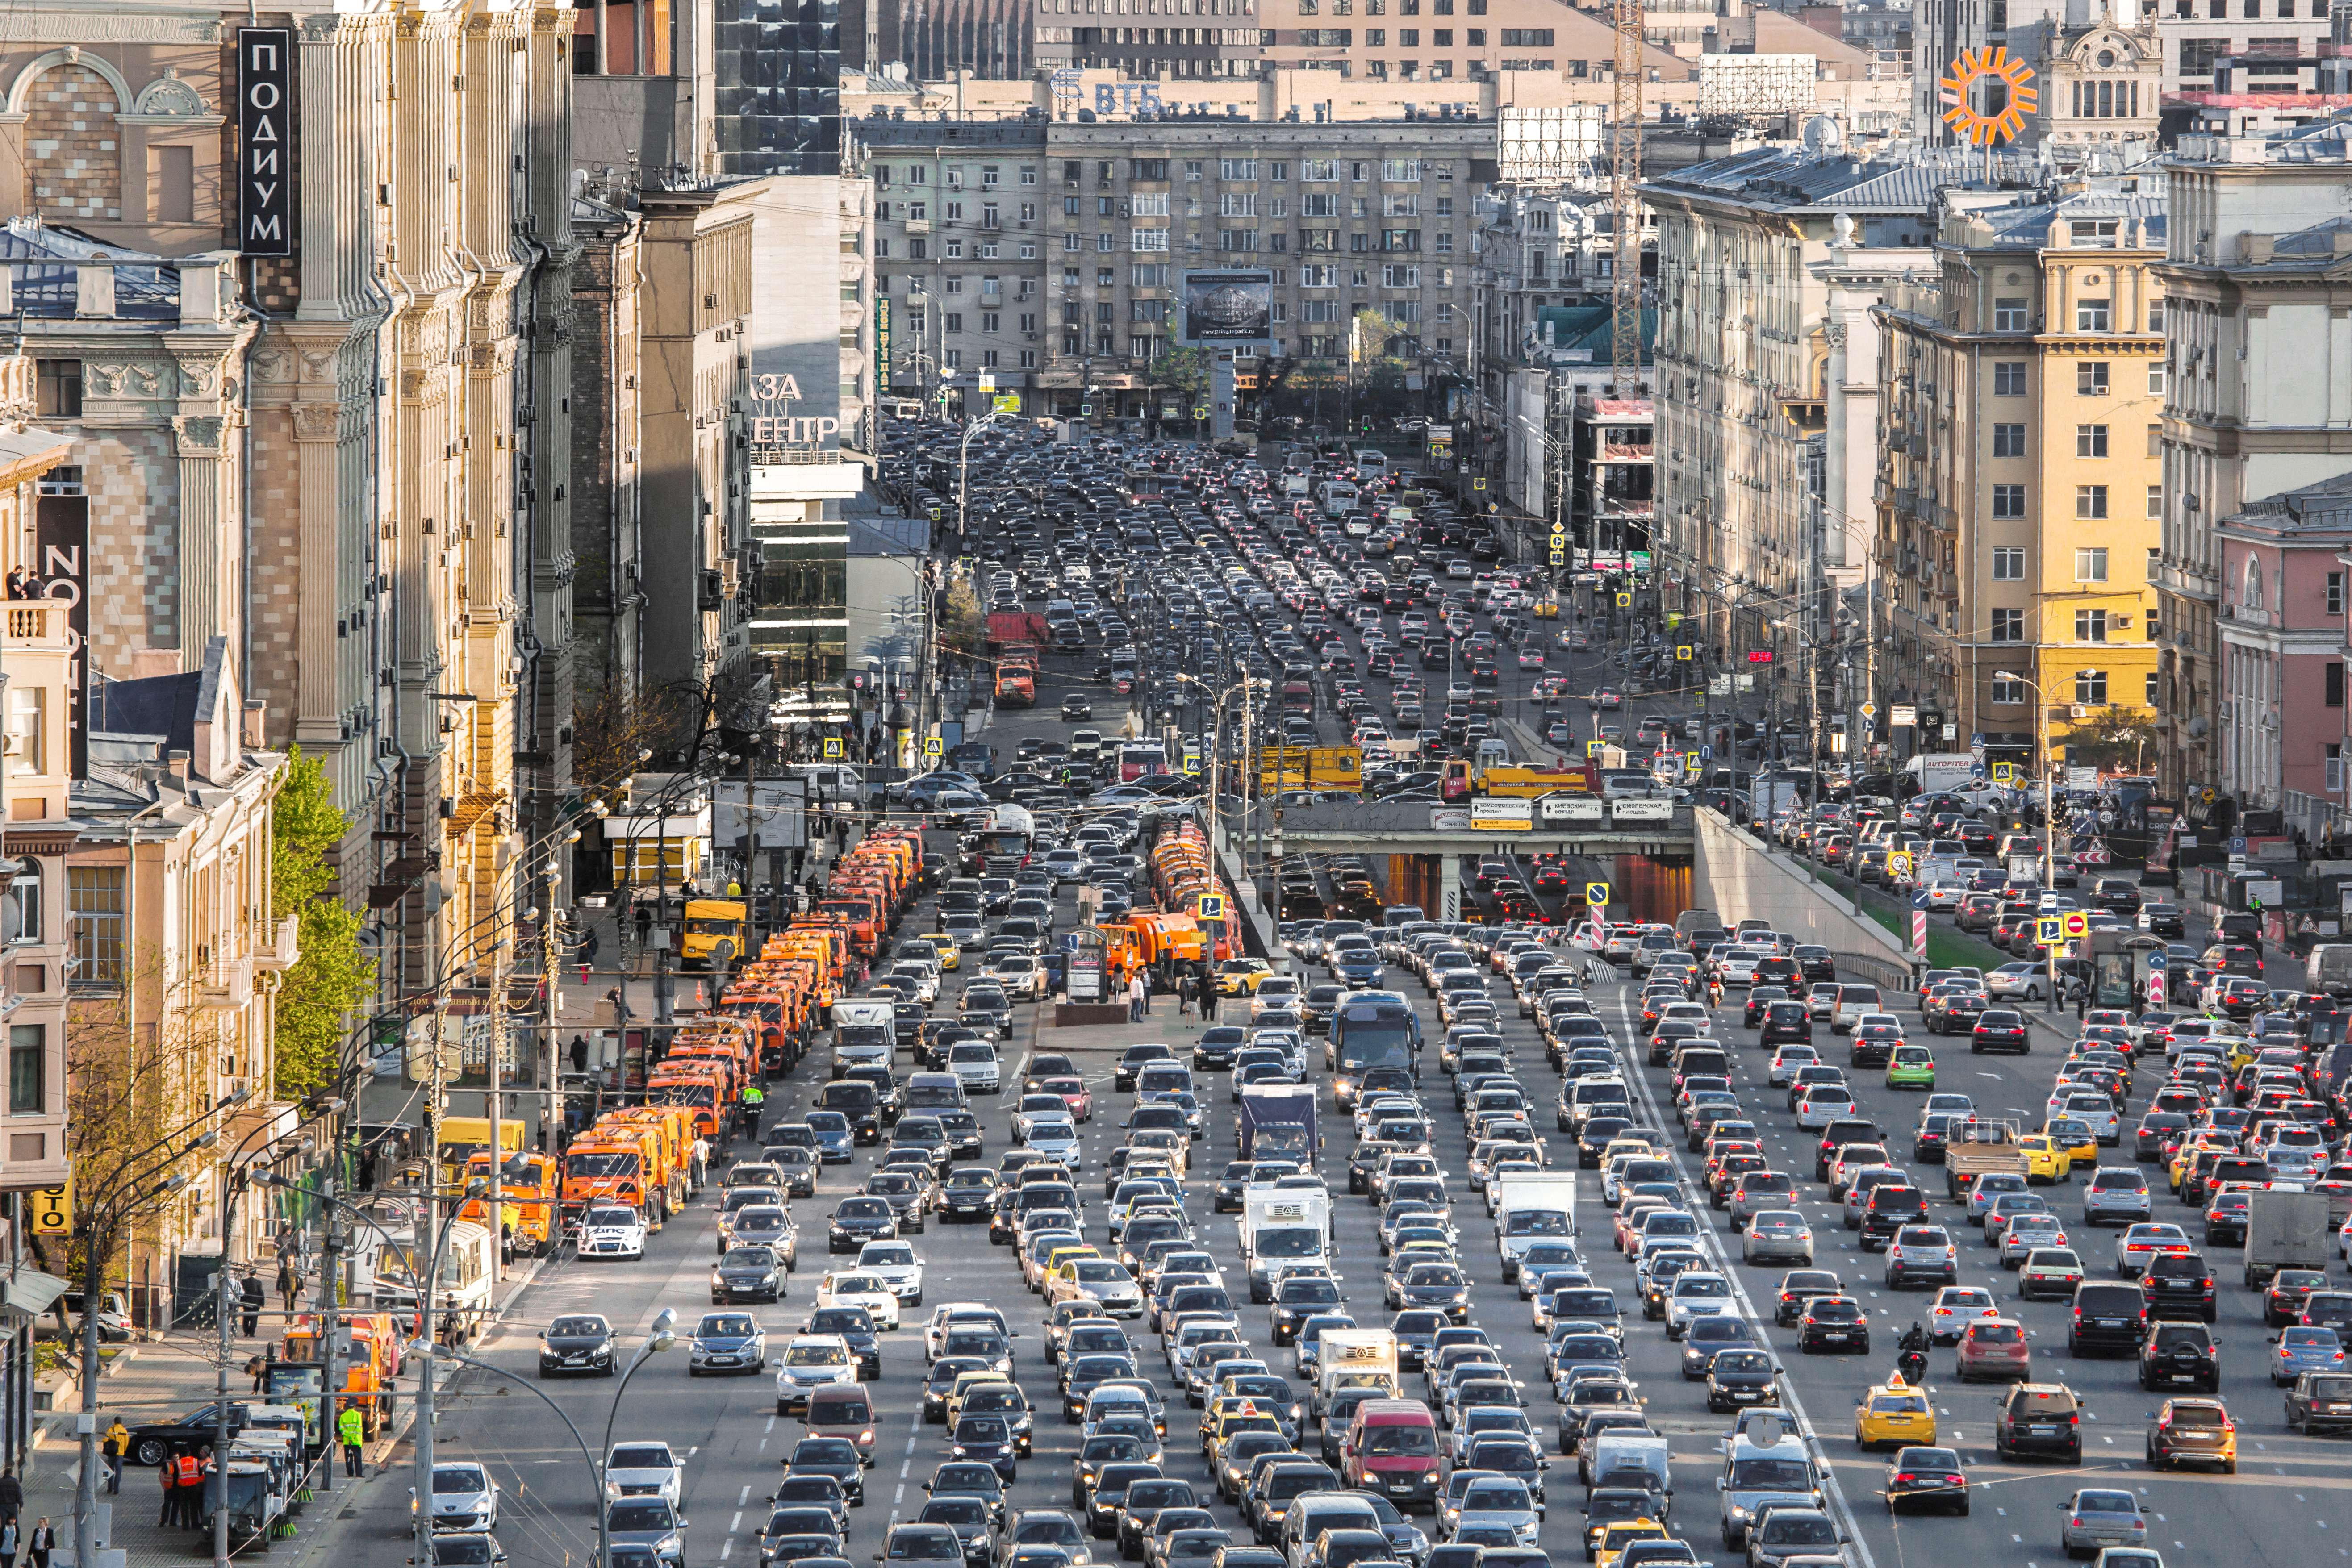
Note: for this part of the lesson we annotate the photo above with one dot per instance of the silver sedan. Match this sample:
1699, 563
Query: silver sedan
1778, 1234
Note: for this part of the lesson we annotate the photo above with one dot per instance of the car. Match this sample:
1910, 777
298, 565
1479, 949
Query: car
1833, 1323
2118, 1195
644, 1470
2300, 1349
651, 1522
1994, 1348
2040, 1419
747, 1273
1911, 1067
1927, 1478
2049, 1273
2098, 1517
1777, 1233
578, 1342
2193, 1432
726, 1341
2320, 1402
610, 1230
1921, 1252
1893, 1412
811, 1361
465, 1497
2000, 1029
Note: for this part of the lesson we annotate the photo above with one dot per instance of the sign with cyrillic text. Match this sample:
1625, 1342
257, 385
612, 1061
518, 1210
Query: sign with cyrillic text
265, 147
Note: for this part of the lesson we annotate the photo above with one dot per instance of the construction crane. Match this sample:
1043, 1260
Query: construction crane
1625, 204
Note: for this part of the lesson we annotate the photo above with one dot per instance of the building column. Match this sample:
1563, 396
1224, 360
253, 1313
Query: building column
207, 575
1449, 888
317, 720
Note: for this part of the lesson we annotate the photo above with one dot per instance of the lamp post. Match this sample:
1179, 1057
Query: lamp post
2048, 822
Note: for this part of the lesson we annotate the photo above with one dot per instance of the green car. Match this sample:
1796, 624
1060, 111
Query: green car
1911, 1067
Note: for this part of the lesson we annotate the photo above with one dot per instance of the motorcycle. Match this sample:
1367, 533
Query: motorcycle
1913, 1365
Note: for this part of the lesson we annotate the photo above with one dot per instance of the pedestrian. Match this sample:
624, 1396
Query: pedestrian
1135, 998
1184, 996
1208, 998
8, 1538
116, 1444
195, 1487
701, 1159
289, 1282
252, 1294
579, 1053
168, 1473
644, 924
40, 1544
20, 583
11, 1495
1143, 992
351, 1430
254, 1368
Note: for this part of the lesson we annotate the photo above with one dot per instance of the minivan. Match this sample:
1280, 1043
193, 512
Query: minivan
1391, 1449
844, 1410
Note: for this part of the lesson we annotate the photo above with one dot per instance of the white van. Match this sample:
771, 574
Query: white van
1371, 464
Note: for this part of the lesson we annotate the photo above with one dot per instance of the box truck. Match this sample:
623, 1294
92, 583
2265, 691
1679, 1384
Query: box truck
1529, 1210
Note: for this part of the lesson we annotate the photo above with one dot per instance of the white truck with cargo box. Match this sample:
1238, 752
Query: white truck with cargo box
1283, 1229
1529, 1210
1355, 1358
1624, 1457
2286, 1230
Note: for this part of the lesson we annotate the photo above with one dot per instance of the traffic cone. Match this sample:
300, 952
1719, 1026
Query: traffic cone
698, 994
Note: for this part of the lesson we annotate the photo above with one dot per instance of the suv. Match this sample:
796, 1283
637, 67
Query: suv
2181, 1352
2106, 1315
2179, 1284
1891, 1206
2039, 1418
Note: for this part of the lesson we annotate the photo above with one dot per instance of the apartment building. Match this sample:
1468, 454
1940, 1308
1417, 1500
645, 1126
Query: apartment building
2258, 385
1765, 262
1047, 254
2099, 71
2281, 625
2018, 491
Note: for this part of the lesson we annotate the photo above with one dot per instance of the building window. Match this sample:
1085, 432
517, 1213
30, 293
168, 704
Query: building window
2090, 501
2008, 440
2090, 563
28, 707
2008, 625
2090, 626
2156, 500
94, 906
2091, 380
2009, 315
2009, 500
2009, 377
2335, 683
2155, 687
2156, 317
2090, 441
2008, 563
57, 388
28, 1050
20, 910
2093, 316
2091, 687
2336, 593
2008, 693
952, 358
2155, 378
2335, 769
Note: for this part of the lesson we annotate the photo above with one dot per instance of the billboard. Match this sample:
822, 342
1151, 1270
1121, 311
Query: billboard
1228, 309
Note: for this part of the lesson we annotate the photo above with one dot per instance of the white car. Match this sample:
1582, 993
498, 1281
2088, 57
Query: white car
1787, 1059
1697, 1293
1035, 1108
861, 1288
1056, 1139
644, 1470
974, 1063
1019, 974
897, 1266
464, 1497
612, 1231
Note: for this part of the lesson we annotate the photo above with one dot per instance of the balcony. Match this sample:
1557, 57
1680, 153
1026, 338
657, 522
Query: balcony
917, 225
225, 985
285, 949
37, 628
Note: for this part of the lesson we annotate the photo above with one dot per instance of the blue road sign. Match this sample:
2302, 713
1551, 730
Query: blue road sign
1918, 900
1977, 739
2237, 846
2158, 961
1975, 769
1706, 754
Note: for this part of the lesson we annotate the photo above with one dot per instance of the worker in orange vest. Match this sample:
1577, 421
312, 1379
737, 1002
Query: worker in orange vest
190, 1491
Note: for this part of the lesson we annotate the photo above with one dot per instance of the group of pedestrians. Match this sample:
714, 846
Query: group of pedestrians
183, 1474
1195, 993
35, 1543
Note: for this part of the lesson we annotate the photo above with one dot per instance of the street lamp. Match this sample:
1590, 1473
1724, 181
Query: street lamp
2048, 822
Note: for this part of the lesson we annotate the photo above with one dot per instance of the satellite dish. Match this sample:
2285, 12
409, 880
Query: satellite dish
1821, 135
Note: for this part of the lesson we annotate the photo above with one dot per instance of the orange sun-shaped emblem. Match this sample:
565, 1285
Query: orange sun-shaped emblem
1987, 93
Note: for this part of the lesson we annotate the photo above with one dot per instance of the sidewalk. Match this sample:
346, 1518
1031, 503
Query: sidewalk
175, 1374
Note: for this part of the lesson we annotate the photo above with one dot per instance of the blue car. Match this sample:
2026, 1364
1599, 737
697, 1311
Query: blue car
2302, 1350
726, 1341
837, 1141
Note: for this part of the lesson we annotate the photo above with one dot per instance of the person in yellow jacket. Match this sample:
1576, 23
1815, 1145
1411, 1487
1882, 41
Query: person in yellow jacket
351, 1430
116, 1444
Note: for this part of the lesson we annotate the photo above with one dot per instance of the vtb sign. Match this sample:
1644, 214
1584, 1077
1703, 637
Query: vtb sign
265, 202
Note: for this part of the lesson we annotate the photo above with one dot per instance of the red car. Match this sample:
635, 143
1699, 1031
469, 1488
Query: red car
1075, 1094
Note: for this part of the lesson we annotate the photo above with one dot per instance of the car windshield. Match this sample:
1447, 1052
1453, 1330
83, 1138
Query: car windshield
816, 1356
636, 1514
654, 1457
458, 1479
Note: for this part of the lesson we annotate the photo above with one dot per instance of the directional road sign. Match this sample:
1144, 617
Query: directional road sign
1596, 893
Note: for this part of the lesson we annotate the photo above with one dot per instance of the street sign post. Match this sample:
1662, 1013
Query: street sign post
1596, 893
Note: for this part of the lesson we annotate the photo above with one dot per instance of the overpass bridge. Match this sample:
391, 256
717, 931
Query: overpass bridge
1644, 849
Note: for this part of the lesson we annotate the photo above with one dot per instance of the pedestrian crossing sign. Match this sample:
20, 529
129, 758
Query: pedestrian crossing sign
833, 748
2004, 773
1595, 747
2045, 931
1212, 906
1596, 893
933, 746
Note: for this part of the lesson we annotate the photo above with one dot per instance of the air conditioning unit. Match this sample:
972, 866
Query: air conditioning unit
2077, 710
2123, 621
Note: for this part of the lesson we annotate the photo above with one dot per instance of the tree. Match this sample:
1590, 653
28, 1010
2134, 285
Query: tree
332, 977
2114, 739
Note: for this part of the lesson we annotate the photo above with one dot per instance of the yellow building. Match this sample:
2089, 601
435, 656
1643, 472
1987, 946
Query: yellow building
2020, 475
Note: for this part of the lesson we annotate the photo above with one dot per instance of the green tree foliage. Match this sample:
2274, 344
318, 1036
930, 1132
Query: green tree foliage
2114, 739
333, 977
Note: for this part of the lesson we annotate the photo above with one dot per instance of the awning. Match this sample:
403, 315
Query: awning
30, 1293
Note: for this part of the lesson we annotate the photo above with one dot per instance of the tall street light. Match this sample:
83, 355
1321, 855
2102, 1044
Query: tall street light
2048, 822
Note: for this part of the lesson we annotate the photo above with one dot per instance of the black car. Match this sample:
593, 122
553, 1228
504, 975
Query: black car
2039, 1418
1785, 1023
744, 1274
965, 1141
2156, 1130
1739, 1377
1132, 1061
989, 1439
2177, 1354
1814, 961
1998, 1028
1077, 708
835, 1456
940, 1381
2107, 1314
1833, 1324
2179, 1284
855, 1327
153, 1442
578, 1342
1236, 1175
1216, 1048
969, 1195
857, 1220
2319, 1401
1922, 1478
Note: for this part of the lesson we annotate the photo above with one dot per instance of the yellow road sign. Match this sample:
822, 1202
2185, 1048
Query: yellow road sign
2075, 922
1898, 862
48, 1210
833, 748
1683, 651
1624, 601
934, 746
1596, 893
2004, 772
1212, 906
1690, 761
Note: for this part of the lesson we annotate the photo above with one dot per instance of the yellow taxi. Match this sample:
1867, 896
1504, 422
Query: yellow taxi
2044, 1160
2209, 1139
1241, 977
1617, 1534
1545, 608
1893, 1413
2074, 1135
944, 945
1061, 1255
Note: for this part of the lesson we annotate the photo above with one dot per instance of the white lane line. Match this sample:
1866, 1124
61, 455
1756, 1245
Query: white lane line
1713, 1240
726, 1550
742, 1497
737, 1522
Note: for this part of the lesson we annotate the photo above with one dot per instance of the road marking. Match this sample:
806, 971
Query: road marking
726, 1549
740, 1498
737, 1522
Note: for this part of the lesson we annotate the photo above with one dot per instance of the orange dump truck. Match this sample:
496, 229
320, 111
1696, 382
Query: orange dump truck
672, 1128
527, 1203
617, 1162
369, 1364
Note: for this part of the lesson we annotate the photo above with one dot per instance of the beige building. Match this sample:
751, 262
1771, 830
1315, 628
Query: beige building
343, 458
2019, 493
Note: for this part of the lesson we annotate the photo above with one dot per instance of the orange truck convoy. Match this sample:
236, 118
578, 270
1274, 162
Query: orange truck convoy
765, 1018
1160, 940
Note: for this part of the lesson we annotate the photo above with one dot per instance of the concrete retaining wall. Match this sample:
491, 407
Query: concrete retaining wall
1737, 878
